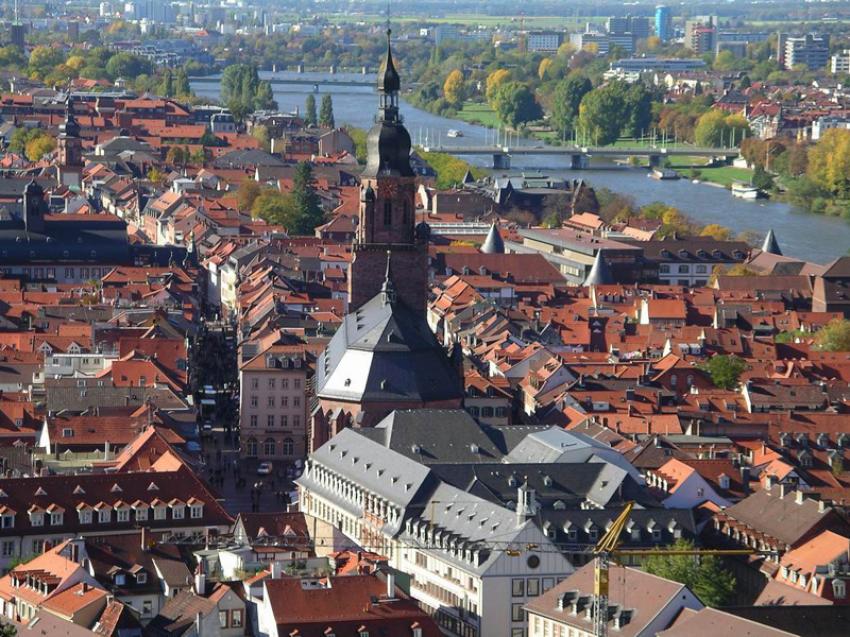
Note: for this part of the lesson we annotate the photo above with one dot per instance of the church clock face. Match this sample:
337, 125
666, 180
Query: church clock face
387, 189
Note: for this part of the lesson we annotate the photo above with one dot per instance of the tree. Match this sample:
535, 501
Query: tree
43, 60
39, 146
181, 83
243, 91
566, 49
544, 66
601, 115
450, 169
762, 179
453, 88
326, 112
704, 575
176, 156
829, 162
8, 630
260, 132
307, 213
716, 231
127, 66
566, 100
724, 370
273, 206
247, 193
310, 116
515, 104
834, 336
167, 84
715, 128
637, 108
494, 81
358, 136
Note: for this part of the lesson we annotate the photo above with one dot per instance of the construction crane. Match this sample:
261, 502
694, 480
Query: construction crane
608, 547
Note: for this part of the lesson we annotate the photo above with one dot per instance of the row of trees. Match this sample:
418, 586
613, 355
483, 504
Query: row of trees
325, 116
299, 211
243, 91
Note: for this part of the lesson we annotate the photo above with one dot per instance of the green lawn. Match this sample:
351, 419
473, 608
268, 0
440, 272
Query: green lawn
479, 113
723, 175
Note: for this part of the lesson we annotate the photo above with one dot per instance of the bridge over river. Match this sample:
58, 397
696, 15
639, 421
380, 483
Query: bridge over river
580, 155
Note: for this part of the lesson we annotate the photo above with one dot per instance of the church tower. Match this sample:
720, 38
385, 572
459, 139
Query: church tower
69, 144
387, 207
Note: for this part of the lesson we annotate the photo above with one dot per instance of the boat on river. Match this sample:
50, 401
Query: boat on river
664, 173
745, 191
453, 132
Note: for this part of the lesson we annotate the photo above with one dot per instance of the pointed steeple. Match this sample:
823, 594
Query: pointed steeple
70, 127
389, 80
388, 296
493, 244
599, 274
771, 245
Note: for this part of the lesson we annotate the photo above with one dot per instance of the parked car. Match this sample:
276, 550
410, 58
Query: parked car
264, 469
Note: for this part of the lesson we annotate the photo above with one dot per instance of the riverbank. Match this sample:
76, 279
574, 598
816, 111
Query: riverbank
801, 235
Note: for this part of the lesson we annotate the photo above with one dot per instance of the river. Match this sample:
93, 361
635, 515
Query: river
800, 234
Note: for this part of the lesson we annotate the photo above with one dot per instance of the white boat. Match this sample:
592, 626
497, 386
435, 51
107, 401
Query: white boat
454, 133
745, 191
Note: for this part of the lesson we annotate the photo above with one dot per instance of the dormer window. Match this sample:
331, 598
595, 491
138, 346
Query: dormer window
8, 520
85, 516
104, 516
141, 510
196, 511
141, 577
57, 518
37, 518
839, 588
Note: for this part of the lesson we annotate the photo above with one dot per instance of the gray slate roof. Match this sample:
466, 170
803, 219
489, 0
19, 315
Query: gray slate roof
386, 352
493, 244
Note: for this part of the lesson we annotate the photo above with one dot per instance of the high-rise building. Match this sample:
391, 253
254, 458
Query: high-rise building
840, 62
543, 41
810, 50
663, 23
701, 34
17, 34
640, 27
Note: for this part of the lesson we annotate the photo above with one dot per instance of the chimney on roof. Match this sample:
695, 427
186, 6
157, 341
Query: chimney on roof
745, 479
768, 482
200, 579
276, 570
800, 497
821, 506
390, 586
144, 539
781, 490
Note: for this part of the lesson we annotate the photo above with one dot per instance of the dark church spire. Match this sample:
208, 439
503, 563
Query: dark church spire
388, 143
388, 288
389, 81
70, 127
